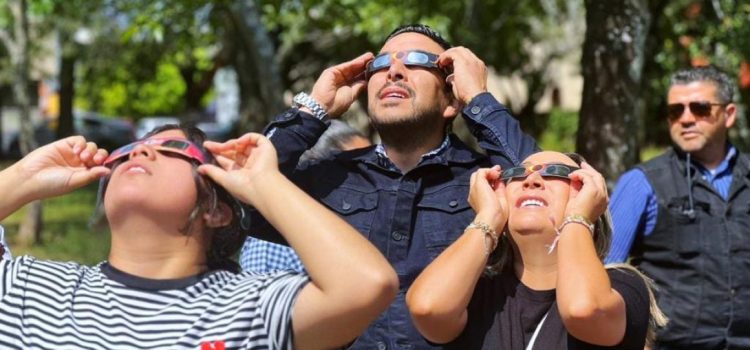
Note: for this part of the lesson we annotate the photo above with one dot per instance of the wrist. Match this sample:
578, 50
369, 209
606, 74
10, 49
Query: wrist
491, 236
309, 104
492, 219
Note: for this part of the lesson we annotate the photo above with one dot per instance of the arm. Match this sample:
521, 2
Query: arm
438, 298
351, 282
495, 128
51, 170
297, 130
634, 209
590, 309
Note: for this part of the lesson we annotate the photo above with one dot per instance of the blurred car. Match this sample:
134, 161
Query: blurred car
107, 132
216, 132
144, 125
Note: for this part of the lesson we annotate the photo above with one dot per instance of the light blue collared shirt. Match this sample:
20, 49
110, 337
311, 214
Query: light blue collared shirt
4, 246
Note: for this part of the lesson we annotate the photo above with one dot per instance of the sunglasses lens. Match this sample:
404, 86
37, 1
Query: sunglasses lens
700, 109
416, 57
557, 170
675, 110
513, 172
176, 144
380, 62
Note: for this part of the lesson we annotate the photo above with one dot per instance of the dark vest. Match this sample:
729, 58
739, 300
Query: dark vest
701, 265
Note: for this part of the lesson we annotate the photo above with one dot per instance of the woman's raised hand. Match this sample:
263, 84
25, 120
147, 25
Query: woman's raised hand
243, 163
588, 194
487, 197
60, 167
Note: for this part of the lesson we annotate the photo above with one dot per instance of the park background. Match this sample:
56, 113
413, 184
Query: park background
585, 76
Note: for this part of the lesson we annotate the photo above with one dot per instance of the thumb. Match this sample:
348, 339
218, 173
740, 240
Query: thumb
357, 88
84, 177
217, 174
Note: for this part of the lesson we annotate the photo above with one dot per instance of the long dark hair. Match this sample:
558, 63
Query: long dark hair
225, 240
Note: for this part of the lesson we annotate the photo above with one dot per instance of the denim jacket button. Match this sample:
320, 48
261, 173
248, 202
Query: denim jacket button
381, 346
476, 110
397, 236
346, 206
453, 203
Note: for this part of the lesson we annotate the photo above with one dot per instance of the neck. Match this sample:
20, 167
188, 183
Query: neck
148, 249
711, 156
533, 266
406, 154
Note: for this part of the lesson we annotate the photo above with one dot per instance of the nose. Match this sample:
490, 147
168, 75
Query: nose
397, 70
142, 150
533, 181
687, 116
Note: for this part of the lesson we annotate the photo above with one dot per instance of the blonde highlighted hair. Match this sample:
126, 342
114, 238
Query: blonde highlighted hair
503, 257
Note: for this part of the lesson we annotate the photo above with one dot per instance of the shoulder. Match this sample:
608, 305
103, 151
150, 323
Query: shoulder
256, 282
633, 288
659, 161
627, 277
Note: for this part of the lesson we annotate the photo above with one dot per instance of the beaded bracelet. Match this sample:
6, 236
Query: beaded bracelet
488, 232
571, 219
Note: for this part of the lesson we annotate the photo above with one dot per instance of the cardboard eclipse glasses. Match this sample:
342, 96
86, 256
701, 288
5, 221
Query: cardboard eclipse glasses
545, 170
417, 58
165, 145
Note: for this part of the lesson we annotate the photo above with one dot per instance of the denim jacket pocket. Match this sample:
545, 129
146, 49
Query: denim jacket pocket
443, 215
356, 207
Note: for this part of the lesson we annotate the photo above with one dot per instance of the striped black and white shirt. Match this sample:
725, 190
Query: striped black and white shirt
54, 305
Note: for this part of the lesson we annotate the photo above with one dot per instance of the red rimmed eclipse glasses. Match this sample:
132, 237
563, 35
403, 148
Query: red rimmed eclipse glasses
161, 144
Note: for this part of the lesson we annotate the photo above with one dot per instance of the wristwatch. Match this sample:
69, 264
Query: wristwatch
304, 100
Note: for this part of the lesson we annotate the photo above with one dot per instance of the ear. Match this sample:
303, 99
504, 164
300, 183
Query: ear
730, 115
453, 108
219, 217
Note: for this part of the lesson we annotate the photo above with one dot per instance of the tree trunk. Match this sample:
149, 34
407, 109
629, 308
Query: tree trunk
30, 229
263, 70
67, 91
612, 64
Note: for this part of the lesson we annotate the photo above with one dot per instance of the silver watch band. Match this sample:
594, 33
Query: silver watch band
303, 99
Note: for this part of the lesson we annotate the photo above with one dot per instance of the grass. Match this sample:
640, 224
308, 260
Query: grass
65, 232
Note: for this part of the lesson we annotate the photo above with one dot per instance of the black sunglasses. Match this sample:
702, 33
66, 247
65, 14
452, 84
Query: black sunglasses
545, 170
700, 109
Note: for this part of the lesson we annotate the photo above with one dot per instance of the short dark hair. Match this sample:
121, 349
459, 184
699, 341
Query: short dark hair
420, 29
333, 140
724, 84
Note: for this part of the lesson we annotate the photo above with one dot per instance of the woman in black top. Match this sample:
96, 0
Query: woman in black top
545, 286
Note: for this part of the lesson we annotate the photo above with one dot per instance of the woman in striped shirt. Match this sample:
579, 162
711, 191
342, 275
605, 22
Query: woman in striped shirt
167, 283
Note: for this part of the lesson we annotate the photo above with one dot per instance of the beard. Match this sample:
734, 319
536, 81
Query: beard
411, 129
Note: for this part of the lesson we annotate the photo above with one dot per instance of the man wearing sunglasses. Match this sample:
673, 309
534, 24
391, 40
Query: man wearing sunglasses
684, 218
408, 194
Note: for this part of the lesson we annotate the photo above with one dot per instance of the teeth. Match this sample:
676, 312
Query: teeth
137, 169
532, 203
393, 94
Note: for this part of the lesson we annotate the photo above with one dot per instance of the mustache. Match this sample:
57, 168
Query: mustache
398, 84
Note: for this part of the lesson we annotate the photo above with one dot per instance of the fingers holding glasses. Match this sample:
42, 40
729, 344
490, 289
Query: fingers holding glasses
338, 86
592, 197
469, 76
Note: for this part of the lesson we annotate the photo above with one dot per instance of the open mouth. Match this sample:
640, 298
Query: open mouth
394, 92
531, 203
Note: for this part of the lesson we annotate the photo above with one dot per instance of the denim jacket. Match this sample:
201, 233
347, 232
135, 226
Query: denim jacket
410, 217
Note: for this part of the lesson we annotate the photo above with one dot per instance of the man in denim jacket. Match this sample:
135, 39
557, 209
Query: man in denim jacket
407, 195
